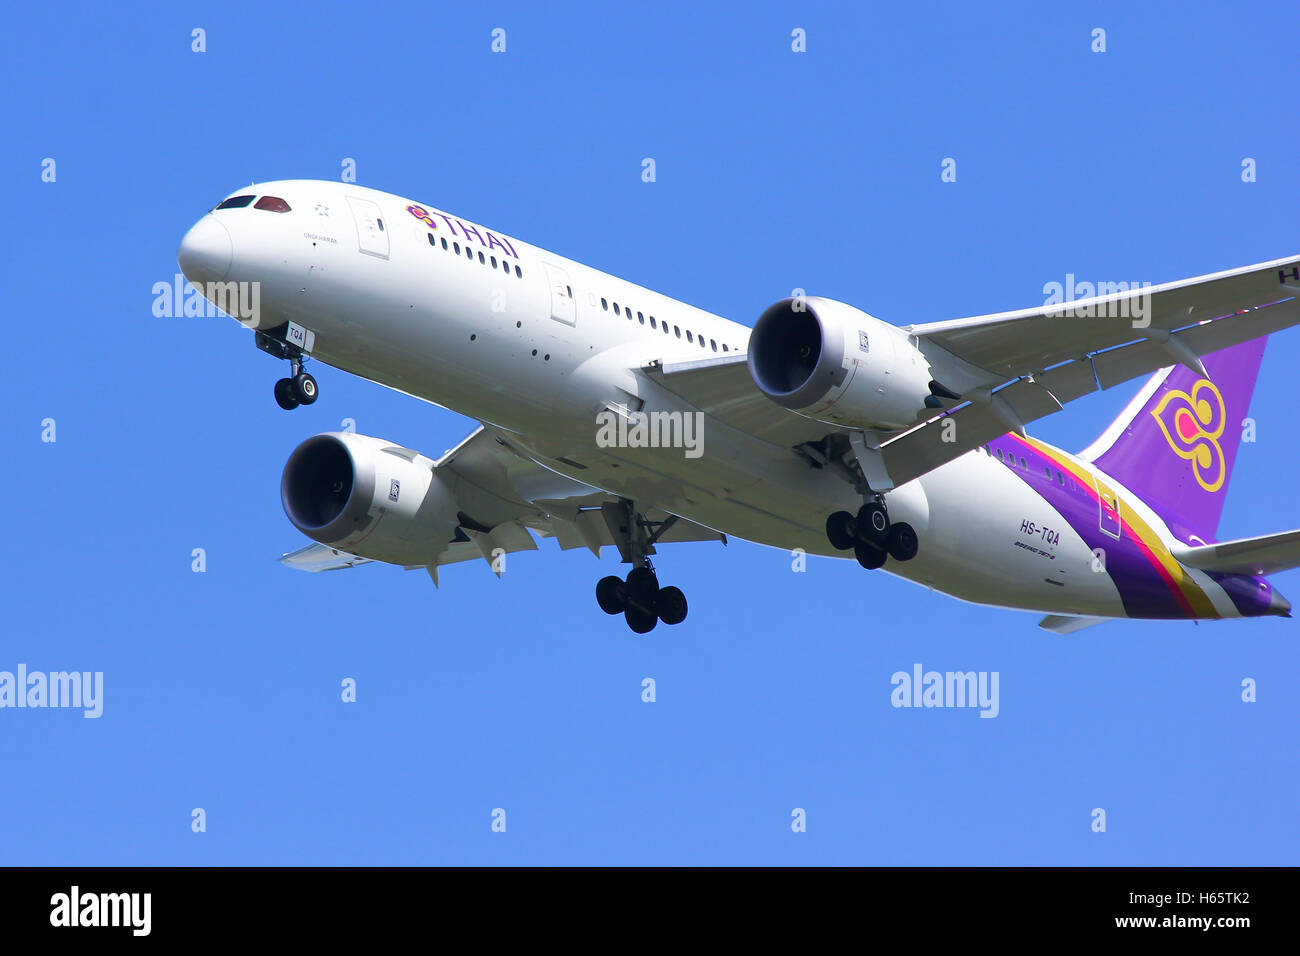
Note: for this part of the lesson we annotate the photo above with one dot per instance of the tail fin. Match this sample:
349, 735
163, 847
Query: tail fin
1175, 443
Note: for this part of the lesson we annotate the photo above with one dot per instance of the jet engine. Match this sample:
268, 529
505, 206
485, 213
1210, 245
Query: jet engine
368, 497
831, 362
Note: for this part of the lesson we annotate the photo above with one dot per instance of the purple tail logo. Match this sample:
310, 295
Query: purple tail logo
1175, 444
1198, 420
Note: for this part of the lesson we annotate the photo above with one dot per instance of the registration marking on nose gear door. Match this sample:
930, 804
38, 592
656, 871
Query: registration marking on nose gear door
305, 339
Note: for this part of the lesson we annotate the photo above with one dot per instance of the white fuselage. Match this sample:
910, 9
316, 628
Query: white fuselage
541, 353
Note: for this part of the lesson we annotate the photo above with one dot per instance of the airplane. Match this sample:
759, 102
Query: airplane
612, 415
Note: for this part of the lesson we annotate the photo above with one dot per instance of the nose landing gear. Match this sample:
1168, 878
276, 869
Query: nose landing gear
300, 387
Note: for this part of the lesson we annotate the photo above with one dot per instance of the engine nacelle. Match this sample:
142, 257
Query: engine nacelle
368, 497
834, 363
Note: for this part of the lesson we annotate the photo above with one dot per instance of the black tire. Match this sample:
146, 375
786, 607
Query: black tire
642, 622
305, 388
671, 605
284, 395
903, 542
872, 524
868, 555
609, 595
642, 588
840, 530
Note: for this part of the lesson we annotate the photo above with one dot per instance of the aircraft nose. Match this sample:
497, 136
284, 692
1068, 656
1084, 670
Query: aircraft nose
206, 252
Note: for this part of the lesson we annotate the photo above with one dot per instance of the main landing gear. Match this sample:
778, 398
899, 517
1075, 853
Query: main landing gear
300, 387
638, 597
871, 535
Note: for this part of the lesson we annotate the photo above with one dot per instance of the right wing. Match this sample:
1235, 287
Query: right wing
1012, 368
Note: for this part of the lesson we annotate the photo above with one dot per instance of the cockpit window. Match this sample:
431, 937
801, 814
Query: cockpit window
236, 202
274, 204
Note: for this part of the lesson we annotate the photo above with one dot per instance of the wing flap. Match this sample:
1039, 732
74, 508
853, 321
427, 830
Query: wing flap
320, 557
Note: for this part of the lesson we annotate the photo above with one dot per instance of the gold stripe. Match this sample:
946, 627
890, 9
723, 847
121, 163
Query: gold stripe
1196, 597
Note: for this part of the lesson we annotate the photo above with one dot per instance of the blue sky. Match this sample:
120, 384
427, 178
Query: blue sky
775, 170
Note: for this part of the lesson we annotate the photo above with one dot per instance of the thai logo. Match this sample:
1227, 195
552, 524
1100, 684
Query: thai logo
1192, 425
420, 213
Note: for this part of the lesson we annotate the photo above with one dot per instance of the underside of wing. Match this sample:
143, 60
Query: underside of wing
994, 374
503, 500
1008, 345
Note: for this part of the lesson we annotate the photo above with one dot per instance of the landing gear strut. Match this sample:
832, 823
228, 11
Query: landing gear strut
300, 387
638, 597
869, 534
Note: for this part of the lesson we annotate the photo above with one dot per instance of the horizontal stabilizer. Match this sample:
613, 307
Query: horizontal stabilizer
1067, 624
1263, 555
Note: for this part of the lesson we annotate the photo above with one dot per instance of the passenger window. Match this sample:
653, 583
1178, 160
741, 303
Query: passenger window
688, 336
236, 202
677, 330
1059, 479
378, 221
652, 323
456, 246
276, 204
713, 344
1024, 464
640, 318
616, 312
999, 454
569, 289
481, 260
433, 240
494, 262
604, 303
444, 242
724, 347
519, 272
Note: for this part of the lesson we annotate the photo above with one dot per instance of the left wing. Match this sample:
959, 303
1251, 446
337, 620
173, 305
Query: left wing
504, 499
